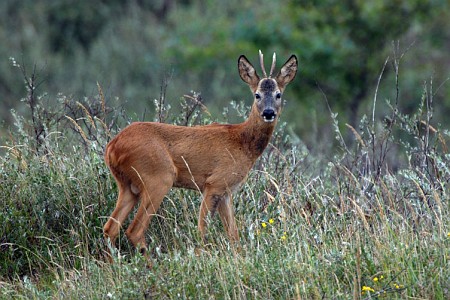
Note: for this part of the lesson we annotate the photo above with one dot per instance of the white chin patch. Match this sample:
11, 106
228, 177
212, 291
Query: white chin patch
269, 120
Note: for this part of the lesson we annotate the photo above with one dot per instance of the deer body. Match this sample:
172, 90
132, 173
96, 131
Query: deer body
147, 159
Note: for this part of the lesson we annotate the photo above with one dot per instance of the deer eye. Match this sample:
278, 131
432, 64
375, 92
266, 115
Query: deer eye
278, 95
258, 96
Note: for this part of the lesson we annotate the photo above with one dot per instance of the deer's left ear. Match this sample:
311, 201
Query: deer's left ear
287, 72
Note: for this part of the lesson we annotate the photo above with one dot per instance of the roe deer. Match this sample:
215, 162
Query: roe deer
148, 158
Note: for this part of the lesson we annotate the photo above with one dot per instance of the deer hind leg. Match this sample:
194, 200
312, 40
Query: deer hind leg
152, 192
226, 213
125, 203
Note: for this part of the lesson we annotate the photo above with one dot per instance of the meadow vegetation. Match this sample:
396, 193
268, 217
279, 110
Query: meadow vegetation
360, 218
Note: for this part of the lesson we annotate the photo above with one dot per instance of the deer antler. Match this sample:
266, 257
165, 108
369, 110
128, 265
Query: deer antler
272, 68
261, 61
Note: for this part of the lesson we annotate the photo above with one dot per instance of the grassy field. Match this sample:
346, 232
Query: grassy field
362, 221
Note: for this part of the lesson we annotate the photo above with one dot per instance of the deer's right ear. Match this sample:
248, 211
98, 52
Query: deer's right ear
247, 72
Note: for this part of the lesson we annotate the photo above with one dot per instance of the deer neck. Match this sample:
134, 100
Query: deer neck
255, 134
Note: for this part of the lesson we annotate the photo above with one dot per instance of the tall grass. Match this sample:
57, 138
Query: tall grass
369, 221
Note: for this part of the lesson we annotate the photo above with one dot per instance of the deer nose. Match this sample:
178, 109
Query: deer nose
269, 115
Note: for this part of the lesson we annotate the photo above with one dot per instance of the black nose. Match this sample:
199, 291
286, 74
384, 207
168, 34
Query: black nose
269, 114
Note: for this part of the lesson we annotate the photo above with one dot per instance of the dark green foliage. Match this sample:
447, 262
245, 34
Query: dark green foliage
128, 46
74, 24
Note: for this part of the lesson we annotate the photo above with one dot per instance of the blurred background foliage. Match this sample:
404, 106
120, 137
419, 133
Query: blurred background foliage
132, 47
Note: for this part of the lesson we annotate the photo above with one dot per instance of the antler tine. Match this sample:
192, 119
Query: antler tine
261, 61
272, 68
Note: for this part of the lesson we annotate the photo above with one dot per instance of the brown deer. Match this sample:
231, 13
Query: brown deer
148, 158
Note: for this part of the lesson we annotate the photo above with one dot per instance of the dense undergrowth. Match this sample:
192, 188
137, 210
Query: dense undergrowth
366, 220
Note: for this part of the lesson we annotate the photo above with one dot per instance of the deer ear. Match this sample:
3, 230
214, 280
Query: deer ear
247, 72
287, 72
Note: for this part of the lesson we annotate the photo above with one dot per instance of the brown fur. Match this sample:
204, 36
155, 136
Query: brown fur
147, 159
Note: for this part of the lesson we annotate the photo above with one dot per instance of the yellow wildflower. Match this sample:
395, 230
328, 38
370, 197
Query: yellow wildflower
375, 279
264, 224
284, 236
271, 221
367, 289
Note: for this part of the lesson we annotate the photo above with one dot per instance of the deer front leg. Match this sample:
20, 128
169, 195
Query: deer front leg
226, 213
209, 205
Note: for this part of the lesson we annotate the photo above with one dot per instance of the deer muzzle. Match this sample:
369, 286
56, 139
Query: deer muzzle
269, 115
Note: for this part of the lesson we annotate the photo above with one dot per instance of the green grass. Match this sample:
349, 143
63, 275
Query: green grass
332, 225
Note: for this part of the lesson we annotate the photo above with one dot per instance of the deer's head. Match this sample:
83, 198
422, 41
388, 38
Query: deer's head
267, 91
